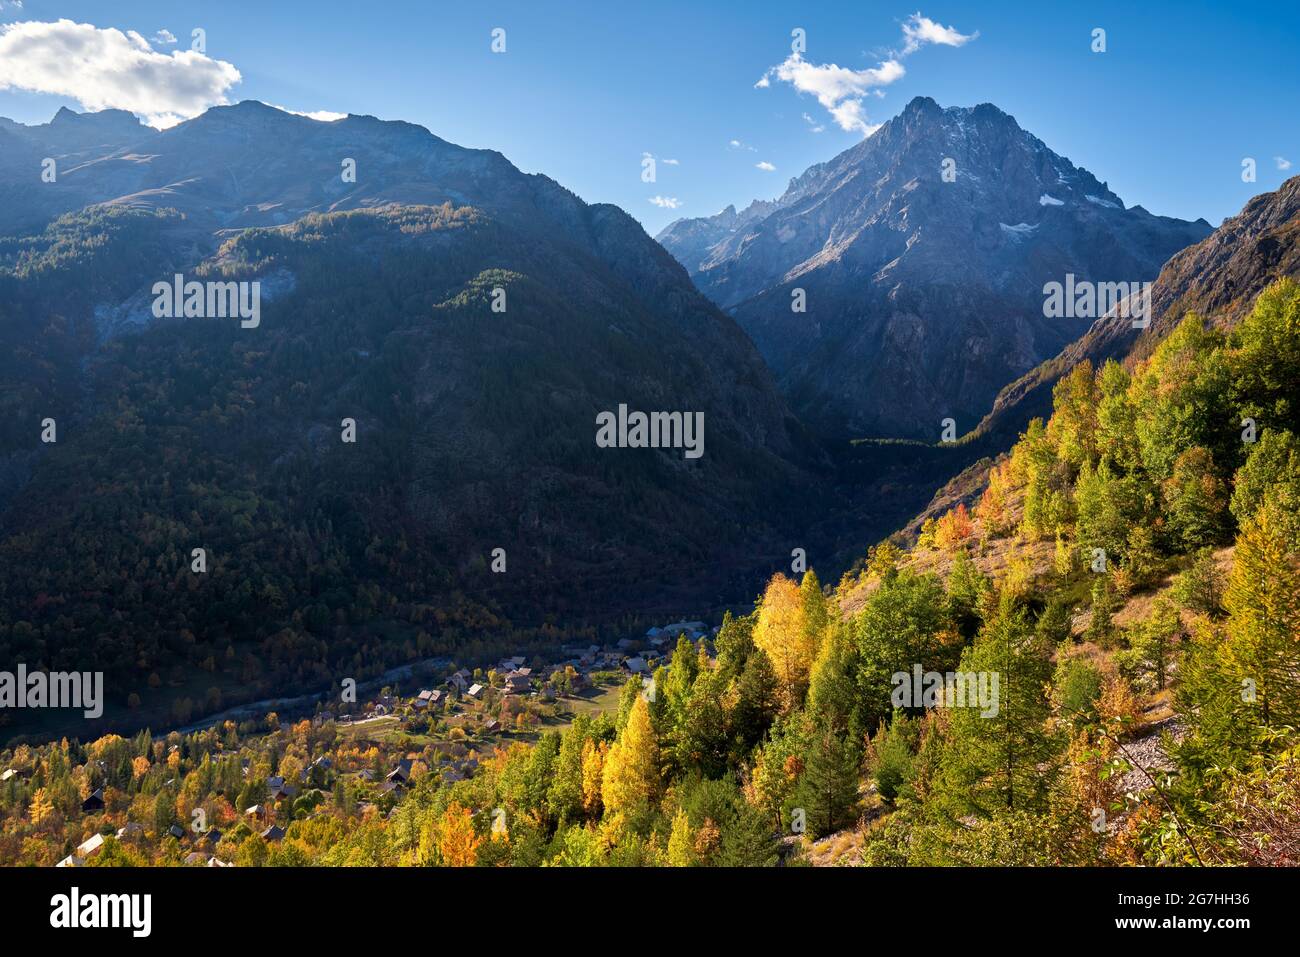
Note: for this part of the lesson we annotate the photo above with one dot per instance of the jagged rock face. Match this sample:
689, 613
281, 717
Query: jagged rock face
1219, 278
924, 292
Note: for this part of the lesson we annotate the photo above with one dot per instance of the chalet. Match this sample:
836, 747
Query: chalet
130, 830
517, 682
217, 862
401, 773
213, 837
427, 698
492, 726
11, 773
274, 783
195, 857
365, 774
88, 849
273, 833
635, 665
71, 861
475, 691
95, 802
392, 787
257, 812
460, 681
282, 793
176, 831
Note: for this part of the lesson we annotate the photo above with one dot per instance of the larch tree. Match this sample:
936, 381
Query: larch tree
632, 774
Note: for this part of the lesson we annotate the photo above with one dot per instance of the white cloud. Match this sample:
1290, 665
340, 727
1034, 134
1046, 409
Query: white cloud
738, 145
671, 162
322, 116
919, 30
765, 166
813, 125
1282, 162
666, 202
841, 90
108, 69
164, 38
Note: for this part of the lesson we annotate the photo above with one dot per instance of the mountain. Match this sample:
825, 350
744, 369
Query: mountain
1219, 278
475, 427
923, 296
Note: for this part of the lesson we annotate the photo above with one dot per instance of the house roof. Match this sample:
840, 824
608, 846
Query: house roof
90, 846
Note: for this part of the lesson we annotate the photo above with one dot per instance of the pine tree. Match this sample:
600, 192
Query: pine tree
828, 789
1001, 760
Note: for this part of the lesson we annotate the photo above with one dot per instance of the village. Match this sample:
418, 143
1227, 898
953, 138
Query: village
380, 748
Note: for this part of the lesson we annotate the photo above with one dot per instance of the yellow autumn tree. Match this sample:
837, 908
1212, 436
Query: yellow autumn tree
681, 842
593, 772
631, 776
1263, 603
784, 632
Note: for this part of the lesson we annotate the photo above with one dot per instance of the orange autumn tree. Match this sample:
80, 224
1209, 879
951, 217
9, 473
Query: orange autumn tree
457, 841
953, 528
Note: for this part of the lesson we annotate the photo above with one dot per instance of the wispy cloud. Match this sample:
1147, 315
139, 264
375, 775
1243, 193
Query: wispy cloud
765, 166
1282, 162
666, 202
813, 125
739, 145
841, 90
919, 30
164, 38
108, 69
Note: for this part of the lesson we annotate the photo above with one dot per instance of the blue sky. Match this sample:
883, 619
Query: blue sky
1182, 94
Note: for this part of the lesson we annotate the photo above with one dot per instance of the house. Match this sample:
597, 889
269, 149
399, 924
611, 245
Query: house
95, 802
71, 861
130, 830
11, 773
194, 857
635, 665
492, 726
215, 862
273, 833
213, 837
257, 812
475, 691
274, 783
427, 698
283, 792
460, 681
365, 774
402, 773
88, 849
517, 683
176, 831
